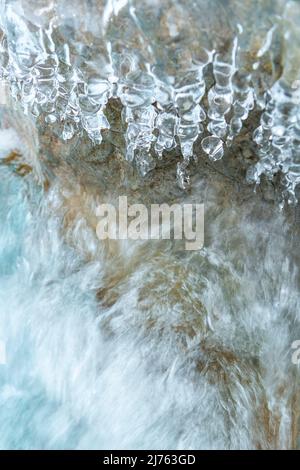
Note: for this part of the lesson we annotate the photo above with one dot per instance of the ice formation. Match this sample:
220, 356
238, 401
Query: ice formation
65, 61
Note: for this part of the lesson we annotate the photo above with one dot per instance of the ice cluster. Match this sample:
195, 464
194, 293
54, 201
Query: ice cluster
179, 76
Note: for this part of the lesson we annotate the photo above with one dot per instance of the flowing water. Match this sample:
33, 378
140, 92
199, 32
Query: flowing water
149, 347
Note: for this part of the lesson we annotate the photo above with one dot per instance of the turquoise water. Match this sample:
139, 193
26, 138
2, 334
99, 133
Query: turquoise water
81, 374
30, 415
65, 384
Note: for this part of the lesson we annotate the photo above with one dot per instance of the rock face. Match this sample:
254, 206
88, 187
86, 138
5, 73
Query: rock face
125, 97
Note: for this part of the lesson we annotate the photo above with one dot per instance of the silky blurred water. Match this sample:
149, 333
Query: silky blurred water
144, 346
64, 385
40, 295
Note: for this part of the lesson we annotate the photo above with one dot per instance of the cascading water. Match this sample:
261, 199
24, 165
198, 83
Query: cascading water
134, 343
